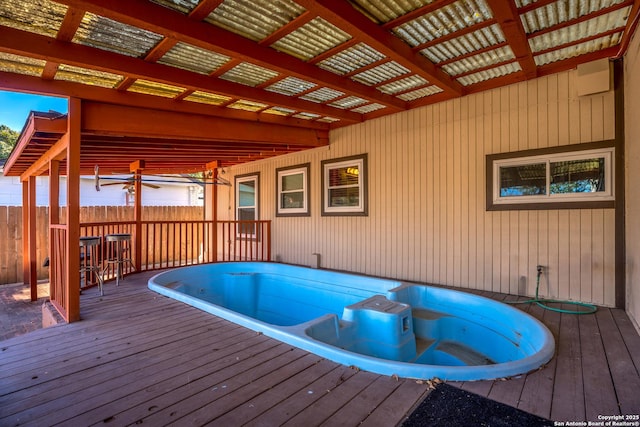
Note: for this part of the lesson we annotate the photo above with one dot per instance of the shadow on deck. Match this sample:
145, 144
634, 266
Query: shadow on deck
138, 357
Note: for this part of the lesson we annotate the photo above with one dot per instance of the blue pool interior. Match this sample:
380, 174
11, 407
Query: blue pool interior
383, 326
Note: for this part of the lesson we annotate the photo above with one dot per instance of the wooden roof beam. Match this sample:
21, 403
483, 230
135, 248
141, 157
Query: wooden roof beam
109, 119
67, 30
161, 20
37, 46
30, 84
344, 16
506, 14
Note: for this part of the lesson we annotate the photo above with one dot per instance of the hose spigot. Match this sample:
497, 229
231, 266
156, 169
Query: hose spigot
540, 268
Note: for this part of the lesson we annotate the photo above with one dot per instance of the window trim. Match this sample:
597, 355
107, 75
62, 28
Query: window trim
547, 155
306, 179
238, 179
362, 209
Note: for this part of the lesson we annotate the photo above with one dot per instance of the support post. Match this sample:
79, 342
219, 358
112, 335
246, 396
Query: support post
29, 265
73, 211
211, 208
137, 168
54, 214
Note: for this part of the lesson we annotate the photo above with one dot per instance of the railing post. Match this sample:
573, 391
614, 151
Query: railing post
268, 240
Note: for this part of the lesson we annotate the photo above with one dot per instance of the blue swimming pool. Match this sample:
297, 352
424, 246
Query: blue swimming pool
383, 326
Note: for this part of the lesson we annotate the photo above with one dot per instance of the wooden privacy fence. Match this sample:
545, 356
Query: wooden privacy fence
11, 231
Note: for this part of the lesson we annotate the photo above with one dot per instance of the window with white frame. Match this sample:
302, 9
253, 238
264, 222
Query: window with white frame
293, 191
247, 191
344, 186
575, 179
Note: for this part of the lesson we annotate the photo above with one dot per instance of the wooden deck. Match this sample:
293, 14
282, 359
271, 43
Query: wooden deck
140, 358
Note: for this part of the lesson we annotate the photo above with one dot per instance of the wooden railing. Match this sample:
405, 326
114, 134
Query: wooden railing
164, 244
58, 268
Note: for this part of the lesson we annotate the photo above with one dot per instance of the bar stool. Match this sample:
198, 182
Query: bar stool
117, 245
89, 259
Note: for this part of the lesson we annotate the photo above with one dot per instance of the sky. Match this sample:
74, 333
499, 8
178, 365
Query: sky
15, 107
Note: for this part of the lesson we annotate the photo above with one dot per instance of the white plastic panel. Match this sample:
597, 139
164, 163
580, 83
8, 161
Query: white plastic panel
446, 20
481, 60
290, 86
481, 76
249, 74
351, 59
254, 19
464, 45
86, 76
193, 58
402, 85
36, 16
380, 73
107, 34
312, 39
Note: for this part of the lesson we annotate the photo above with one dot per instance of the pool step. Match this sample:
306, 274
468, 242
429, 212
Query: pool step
463, 353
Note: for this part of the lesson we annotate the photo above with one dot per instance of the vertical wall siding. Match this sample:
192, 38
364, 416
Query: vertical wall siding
632, 160
427, 220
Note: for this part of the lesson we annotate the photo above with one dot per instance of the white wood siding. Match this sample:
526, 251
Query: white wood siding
427, 220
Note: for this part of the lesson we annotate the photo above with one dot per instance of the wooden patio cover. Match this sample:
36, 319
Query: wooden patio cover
188, 85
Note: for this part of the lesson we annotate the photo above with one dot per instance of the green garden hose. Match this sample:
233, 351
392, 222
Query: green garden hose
589, 308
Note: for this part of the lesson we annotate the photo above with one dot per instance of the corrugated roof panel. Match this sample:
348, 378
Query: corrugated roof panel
328, 120
579, 49
249, 74
155, 88
492, 73
193, 58
254, 19
290, 86
207, 98
566, 10
21, 64
348, 102
577, 31
311, 39
481, 60
386, 10
106, 34
306, 116
464, 45
380, 73
402, 85
420, 93
368, 108
351, 59
245, 105
36, 16
86, 76
322, 95
279, 111
446, 20
182, 6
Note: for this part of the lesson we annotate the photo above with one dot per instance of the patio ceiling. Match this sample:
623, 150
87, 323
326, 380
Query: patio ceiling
303, 64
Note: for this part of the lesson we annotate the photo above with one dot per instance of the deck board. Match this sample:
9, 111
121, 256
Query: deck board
138, 357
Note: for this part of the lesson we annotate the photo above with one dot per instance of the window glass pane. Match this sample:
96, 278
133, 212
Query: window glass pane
246, 214
247, 192
292, 200
344, 197
523, 180
578, 176
293, 182
344, 176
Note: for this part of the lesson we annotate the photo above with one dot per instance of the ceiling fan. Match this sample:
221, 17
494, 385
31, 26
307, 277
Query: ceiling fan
128, 184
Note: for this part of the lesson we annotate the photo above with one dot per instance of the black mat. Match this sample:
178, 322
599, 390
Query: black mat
449, 406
